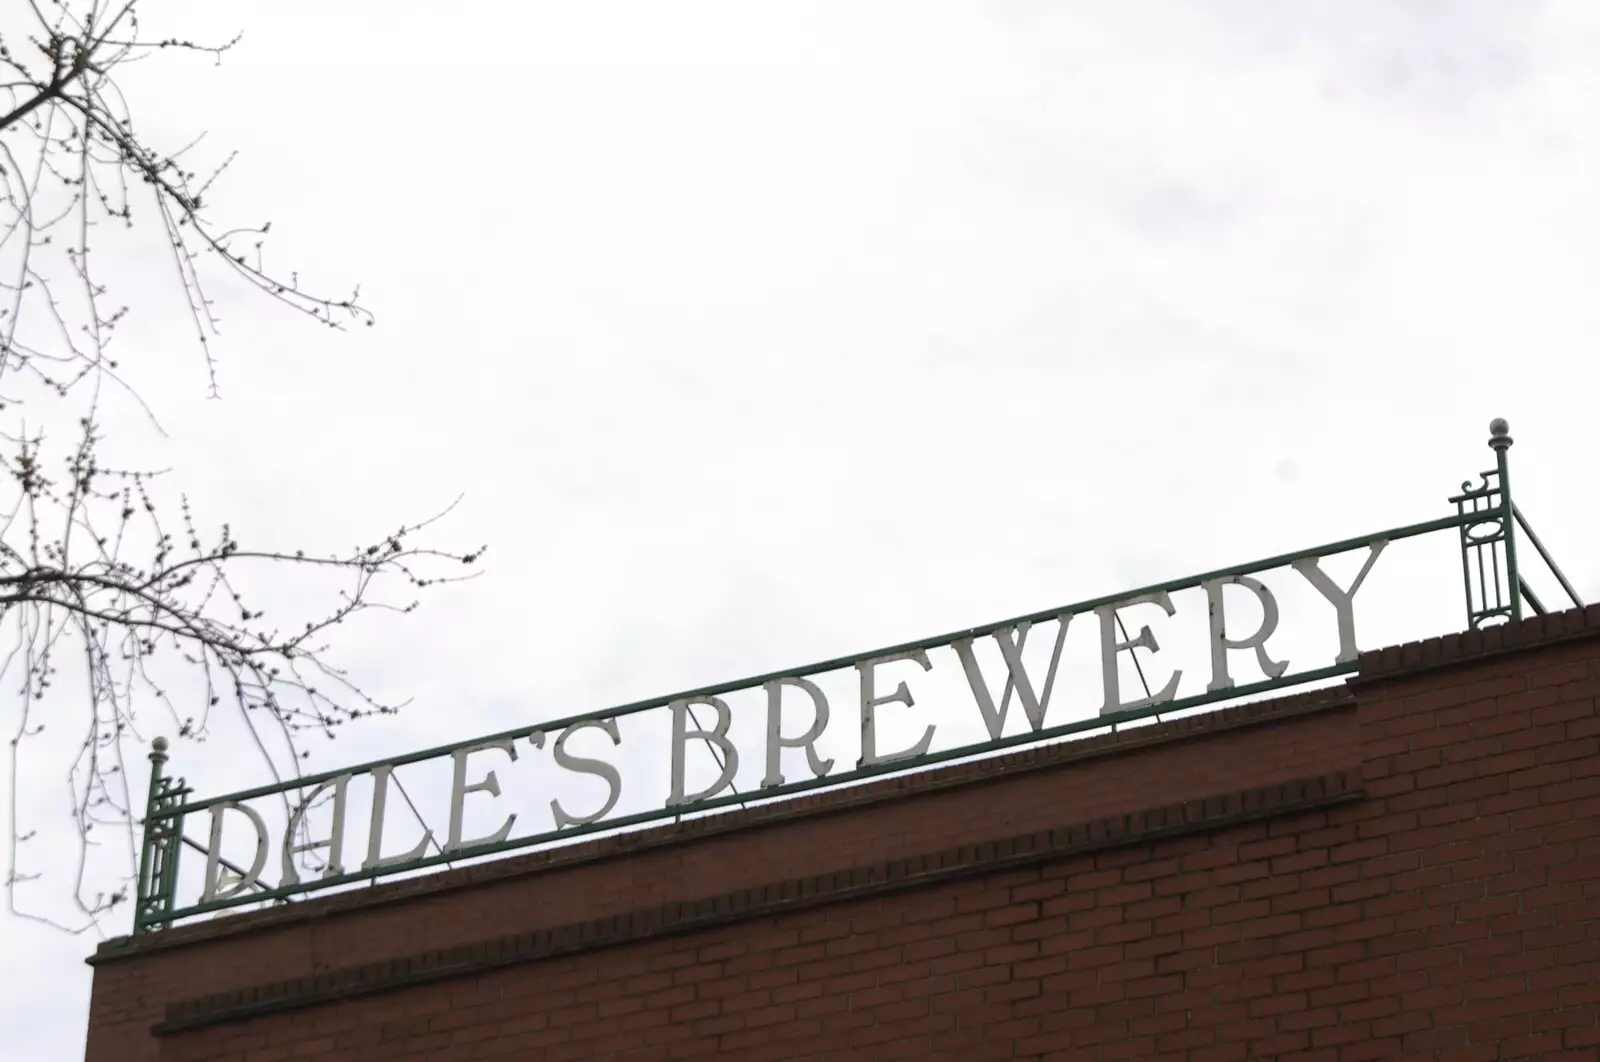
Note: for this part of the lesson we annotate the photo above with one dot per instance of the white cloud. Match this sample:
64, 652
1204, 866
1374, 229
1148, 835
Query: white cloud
756, 337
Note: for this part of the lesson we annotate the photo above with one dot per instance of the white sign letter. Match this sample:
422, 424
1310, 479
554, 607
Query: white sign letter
1110, 647
776, 742
870, 702
717, 735
1011, 641
219, 884
584, 765
1341, 600
335, 842
380, 796
487, 784
1221, 643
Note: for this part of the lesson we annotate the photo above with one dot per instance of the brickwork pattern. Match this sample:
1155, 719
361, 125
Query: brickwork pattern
893, 876
1249, 746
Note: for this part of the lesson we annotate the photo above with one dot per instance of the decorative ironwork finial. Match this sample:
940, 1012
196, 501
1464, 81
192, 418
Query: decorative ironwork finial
163, 836
1499, 434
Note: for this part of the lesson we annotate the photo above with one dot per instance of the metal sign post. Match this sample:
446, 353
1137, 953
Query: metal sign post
1485, 519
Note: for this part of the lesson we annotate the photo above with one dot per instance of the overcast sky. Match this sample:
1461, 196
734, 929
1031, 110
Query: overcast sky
760, 333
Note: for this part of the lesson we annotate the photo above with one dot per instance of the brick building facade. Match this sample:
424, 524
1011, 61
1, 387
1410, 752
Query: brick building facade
1405, 867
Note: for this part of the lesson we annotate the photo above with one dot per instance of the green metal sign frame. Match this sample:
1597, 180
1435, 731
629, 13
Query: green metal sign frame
1495, 591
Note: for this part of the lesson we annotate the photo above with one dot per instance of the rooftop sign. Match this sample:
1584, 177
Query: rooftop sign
342, 827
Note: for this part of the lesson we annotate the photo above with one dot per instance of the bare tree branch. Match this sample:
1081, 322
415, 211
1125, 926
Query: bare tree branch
90, 572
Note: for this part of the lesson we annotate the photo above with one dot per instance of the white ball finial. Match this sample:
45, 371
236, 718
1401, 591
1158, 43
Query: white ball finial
1499, 434
159, 744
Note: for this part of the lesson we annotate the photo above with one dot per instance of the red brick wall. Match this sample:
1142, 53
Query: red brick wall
1435, 894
